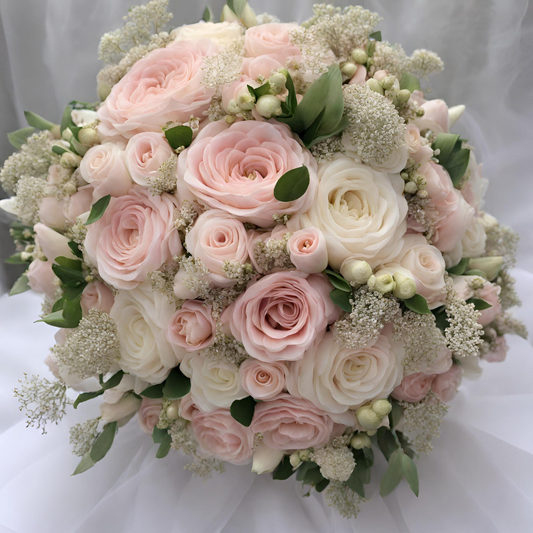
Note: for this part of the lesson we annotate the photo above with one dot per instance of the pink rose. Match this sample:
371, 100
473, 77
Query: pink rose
41, 278
435, 116
261, 66
499, 352
51, 212
192, 327
215, 238
104, 167
135, 236
145, 154
281, 315
442, 363
219, 434
263, 380
235, 168
308, 251
421, 153
445, 385
491, 294
413, 388
97, 296
165, 86
254, 236
273, 40
291, 423
79, 203
148, 414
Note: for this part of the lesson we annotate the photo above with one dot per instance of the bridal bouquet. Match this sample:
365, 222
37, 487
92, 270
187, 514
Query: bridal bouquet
264, 243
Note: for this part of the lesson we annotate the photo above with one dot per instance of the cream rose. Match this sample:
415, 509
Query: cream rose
192, 327
263, 380
360, 211
165, 86
135, 236
214, 382
142, 316
104, 167
235, 168
395, 162
308, 250
215, 238
474, 240
498, 352
421, 153
336, 378
221, 33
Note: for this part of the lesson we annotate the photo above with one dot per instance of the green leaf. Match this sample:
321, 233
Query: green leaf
441, 320
445, 142
395, 415
393, 475
369, 454
292, 185
155, 391
66, 119
453, 157
103, 442
164, 448
177, 385
58, 320
309, 473
476, 272
340, 127
98, 209
84, 465
459, 268
479, 303
16, 259
159, 435
409, 82
457, 165
179, 136
72, 312
321, 485
208, 14
113, 381
406, 445
355, 483
370, 48
18, 138
86, 396
59, 150
312, 132
74, 246
284, 470
342, 299
237, 6
243, 410
376, 36
410, 473
20, 286
386, 442
68, 276
260, 91
340, 284
418, 304
67, 262
38, 122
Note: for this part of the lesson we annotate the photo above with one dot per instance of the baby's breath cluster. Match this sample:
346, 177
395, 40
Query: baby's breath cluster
225, 67
165, 181
391, 58
343, 499
163, 281
82, 436
185, 217
335, 460
30, 191
273, 253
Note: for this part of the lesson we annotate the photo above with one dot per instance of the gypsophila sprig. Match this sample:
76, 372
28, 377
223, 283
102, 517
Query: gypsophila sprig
506, 323
43, 401
335, 460
391, 58
502, 241
273, 253
225, 67
165, 181
343, 499
83, 435
29, 194
423, 62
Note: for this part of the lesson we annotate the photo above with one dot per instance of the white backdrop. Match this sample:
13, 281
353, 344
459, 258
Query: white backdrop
479, 477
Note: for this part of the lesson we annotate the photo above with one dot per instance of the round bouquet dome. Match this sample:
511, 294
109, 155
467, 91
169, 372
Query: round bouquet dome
264, 245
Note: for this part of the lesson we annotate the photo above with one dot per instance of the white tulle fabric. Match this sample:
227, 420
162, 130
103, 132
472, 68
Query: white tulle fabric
477, 480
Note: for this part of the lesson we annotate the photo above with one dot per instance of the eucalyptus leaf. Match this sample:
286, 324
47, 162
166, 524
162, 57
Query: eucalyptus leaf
208, 14
84, 465
179, 136
476, 272
16, 259
59, 150
20, 286
370, 48
113, 381
355, 483
395, 415
159, 435
67, 262
68, 276
164, 447
292, 185
103, 442
386, 442
284, 470
342, 299
74, 246
410, 473
98, 209
37, 121
66, 119
86, 396
177, 385
392, 477
321, 485
459, 268
18, 138
479, 303
243, 410
409, 82
418, 304
155, 391
376, 36
453, 157
340, 284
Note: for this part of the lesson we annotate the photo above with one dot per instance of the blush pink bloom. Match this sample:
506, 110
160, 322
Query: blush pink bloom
260, 66
359, 78
308, 250
421, 153
254, 236
413, 388
51, 212
235, 168
499, 352
219, 434
491, 294
97, 296
445, 385
291, 423
104, 167
148, 414
215, 238
165, 86
435, 116
273, 40
192, 327
135, 236
145, 154
281, 315
79, 203
41, 278
262, 380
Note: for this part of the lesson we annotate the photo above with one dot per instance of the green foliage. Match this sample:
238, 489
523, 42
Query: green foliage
243, 410
342, 299
453, 157
179, 136
459, 268
338, 281
418, 304
409, 82
103, 442
37, 121
292, 185
98, 209
20, 286
177, 385
284, 470
18, 138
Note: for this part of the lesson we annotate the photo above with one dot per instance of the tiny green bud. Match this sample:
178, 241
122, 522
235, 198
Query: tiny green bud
277, 82
410, 187
490, 265
67, 134
349, 69
367, 418
422, 194
70, 160
405, 286
69, 188
405, 175
371, 432
88, 136
387, 82
268, 105
357, 271
230, 119
295, 460
304, 455
403, 96
375, 85
384, 283
246, 101
233, 108
381, 407
360, 441
420, 112
359, 56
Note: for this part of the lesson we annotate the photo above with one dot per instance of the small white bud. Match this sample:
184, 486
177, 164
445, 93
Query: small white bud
173, 411
268, 106
295, 460
349, 69
360, 441
375, 86
367, 418
403, 96
488, 221
233, 107
230, 119
305, 455
359, 56
25, 256
384, 283
357, 271
454, 114
388, 82
88, 136
69, 188
67, 134
405, 286
266, 459
246, 101
371, 432
55, 130
70, 160
277, 82
410, 187
381, 407
490, 265
422, 194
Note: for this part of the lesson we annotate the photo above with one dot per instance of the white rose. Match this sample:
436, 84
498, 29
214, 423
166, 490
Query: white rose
214, 383
453, 257
395, 162
266, 459
142, 316
83, 117
360, 211
114, 412
221, 33
336, 378
474, 240
427, 265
